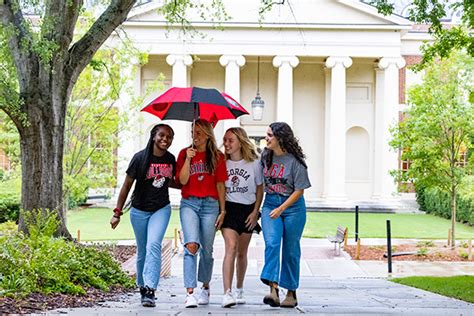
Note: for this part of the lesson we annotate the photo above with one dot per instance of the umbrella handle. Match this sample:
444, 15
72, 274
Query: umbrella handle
192, 134
195, 117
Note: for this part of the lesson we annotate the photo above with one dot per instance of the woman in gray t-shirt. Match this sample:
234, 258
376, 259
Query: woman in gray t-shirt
283, 212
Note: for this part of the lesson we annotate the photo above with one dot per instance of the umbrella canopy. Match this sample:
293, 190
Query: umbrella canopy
188, 104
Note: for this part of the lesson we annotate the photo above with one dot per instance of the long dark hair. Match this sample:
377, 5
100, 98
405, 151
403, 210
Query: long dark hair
287, 141
148, 151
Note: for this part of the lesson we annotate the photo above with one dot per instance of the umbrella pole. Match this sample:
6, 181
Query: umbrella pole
194, 123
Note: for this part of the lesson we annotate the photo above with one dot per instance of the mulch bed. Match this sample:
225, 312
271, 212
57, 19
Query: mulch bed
121, 253
437, 252
35, 303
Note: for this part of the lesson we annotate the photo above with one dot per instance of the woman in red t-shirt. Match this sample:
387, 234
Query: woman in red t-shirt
202, 171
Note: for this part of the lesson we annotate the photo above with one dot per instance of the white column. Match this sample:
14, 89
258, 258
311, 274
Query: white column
182, 129
335, 159
232, 64
285, 65
327, 109
386, 115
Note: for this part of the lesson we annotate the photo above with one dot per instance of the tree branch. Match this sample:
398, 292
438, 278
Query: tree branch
61, 20
20, 38
82, 51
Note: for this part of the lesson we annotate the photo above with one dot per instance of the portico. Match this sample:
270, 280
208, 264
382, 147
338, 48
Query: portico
335, 82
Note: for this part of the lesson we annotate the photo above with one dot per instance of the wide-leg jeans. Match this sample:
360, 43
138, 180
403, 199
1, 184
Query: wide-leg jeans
282, 234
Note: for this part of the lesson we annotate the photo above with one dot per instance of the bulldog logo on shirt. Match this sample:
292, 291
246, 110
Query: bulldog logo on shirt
235, 181
159, 182
159, 172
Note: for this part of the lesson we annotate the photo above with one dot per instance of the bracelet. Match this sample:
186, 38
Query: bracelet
118, 212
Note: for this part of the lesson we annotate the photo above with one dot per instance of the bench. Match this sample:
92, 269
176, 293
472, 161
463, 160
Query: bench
339, 238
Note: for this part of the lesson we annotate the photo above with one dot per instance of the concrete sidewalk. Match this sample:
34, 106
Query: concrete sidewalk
317, 296
330, 284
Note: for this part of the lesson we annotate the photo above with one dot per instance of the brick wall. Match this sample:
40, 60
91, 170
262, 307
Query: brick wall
4, 161
410, 60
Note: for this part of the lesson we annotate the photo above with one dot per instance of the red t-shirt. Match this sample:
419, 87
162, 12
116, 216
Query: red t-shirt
201, 183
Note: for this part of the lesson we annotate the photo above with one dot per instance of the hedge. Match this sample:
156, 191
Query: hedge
433, 201
9, 207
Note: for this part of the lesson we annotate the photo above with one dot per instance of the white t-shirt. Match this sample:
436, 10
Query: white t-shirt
242, 180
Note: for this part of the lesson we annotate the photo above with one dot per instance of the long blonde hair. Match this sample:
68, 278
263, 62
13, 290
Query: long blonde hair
247, 148
212, 153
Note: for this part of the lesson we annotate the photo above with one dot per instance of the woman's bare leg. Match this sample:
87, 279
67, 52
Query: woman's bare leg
231, 239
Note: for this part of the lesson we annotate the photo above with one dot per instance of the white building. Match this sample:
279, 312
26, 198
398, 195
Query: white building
335, 70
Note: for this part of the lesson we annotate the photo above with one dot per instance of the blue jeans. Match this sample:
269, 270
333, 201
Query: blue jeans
286, 229
149, 229
198, 218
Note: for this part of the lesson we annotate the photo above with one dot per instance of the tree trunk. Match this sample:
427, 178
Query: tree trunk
45, 86
42, 142
453, 217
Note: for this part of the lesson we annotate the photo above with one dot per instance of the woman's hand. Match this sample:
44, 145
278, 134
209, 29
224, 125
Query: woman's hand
276, 212
114, 221
251, 220
190, 153
220, 220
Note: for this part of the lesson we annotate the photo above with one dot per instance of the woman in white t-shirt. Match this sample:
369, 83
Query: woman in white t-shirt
244, 194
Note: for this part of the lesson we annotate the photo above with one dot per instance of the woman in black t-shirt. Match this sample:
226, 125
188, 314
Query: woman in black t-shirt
153, 169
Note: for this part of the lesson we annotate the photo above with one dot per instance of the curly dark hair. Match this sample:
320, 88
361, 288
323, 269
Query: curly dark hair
287, 141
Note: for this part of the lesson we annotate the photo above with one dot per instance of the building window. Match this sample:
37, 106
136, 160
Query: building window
405, 186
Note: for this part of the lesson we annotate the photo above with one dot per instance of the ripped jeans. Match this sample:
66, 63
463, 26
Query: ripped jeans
198, 218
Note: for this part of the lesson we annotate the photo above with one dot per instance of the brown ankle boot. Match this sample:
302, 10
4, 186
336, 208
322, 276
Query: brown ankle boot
272, 299
290, 300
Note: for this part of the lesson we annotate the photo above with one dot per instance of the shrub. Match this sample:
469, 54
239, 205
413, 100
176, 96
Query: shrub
425, 243
422, 252
41, 263
9, 207
8, 228
463, 254
438, 203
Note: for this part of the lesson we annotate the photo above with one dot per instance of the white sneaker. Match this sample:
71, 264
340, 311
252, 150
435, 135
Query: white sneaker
239, 297
228, 300
190, 301
204, 297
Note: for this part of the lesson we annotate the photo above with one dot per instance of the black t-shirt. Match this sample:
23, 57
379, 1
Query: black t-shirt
151, 193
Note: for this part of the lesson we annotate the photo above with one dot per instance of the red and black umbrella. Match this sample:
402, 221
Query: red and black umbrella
189, 104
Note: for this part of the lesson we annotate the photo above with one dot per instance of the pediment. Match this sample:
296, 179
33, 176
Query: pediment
305, 13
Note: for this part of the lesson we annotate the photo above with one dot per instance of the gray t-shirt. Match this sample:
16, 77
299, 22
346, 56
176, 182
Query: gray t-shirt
285, 175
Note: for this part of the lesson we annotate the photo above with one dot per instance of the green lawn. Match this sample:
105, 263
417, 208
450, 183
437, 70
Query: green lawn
94, 225
460, 287
374, 225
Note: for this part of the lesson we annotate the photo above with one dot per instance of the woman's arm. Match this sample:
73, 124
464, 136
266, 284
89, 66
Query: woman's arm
221, 194
292, 199
126, 186
184, 173
252, 219
259, 200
